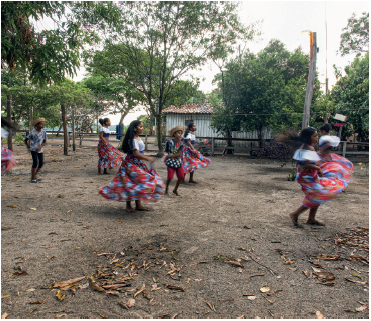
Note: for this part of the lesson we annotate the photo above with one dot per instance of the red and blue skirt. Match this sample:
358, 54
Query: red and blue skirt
346, 164
134, 182
7, 160
193, 160
109, 156
320, 190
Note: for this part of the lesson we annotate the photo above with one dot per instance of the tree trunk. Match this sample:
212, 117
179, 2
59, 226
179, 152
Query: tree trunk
229, 142
9, 119
159, 134
60, 127
65, 132
73, 129
31, 118
123, 115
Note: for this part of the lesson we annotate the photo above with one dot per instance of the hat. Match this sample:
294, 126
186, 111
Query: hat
36, 121
175, 129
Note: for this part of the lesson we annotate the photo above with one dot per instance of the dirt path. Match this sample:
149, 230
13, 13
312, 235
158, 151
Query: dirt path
61, 229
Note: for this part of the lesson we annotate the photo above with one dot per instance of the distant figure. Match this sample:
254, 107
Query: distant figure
134, 181
35, 141
7, 158
109, 156
326, 143
319, 182
173, 159
192, 159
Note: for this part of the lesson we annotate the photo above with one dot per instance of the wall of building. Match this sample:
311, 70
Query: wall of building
204, 130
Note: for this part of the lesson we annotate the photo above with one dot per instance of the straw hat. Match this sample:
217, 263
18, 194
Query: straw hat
175, 129
36, 121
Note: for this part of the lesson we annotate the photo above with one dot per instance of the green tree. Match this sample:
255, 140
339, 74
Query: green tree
350, 96
50, 55
164, 41
263, 90
355, 36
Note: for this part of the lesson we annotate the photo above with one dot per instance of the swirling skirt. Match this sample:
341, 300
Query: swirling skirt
134, 182
346, 164
320, 190
7, 160
109, 156
193, 160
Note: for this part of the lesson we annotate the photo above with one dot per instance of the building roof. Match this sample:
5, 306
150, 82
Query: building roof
201, 108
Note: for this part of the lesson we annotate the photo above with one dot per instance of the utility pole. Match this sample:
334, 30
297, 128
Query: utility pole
73, 129
311, 78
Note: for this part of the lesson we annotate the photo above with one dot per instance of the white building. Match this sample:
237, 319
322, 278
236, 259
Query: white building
200, 114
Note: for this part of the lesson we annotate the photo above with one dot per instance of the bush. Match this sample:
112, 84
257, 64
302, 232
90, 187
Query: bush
273, 150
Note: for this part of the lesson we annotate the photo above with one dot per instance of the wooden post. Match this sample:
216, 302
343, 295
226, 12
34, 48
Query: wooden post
9, 119
146, 143
73, 129
65, 133
344, 148
311, 78
212, 145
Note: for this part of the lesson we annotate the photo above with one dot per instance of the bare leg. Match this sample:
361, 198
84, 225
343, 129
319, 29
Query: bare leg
295, 215
33, 173
139, 207
184, 182
105, 171
129, 208
99, 170
191, 180
167, 186
311, 218
175, 191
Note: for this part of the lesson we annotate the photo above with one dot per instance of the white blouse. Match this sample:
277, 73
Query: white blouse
306, 155
333, 140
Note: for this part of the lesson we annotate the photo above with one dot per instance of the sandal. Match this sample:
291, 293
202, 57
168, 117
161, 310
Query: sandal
33, 181
176, 193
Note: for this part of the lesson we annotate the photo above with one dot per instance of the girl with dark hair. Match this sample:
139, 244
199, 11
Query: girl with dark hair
7, 158
192, 159
109, 156
326, 142
319, 183
134, 181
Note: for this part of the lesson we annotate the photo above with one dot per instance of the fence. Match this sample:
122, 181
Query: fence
210, 146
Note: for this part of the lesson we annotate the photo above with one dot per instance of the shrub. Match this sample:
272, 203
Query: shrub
273, 150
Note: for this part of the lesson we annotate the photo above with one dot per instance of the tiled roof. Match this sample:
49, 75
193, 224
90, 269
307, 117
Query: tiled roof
203, 108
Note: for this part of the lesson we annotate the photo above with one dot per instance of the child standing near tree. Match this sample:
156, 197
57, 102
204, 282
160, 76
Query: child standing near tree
174, 149
319, 183
109, 156
35, 141
134, 181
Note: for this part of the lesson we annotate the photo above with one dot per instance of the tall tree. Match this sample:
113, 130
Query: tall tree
50, 55
350, 96
263, 90
164, 41
355, 36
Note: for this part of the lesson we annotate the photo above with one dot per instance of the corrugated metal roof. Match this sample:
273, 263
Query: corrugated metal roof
203, 108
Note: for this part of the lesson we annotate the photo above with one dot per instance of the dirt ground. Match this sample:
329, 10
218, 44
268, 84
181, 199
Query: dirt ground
225, 248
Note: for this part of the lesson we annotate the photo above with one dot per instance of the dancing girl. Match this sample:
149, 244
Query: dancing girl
134, 181
174, 149
319, 183
35, 141
7, 158
109, 156
326, 143
192, 159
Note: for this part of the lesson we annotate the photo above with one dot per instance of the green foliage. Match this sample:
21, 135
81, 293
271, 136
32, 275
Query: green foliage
50, 55
350, 96
161, 42
355, 37
292, 175
263, 90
